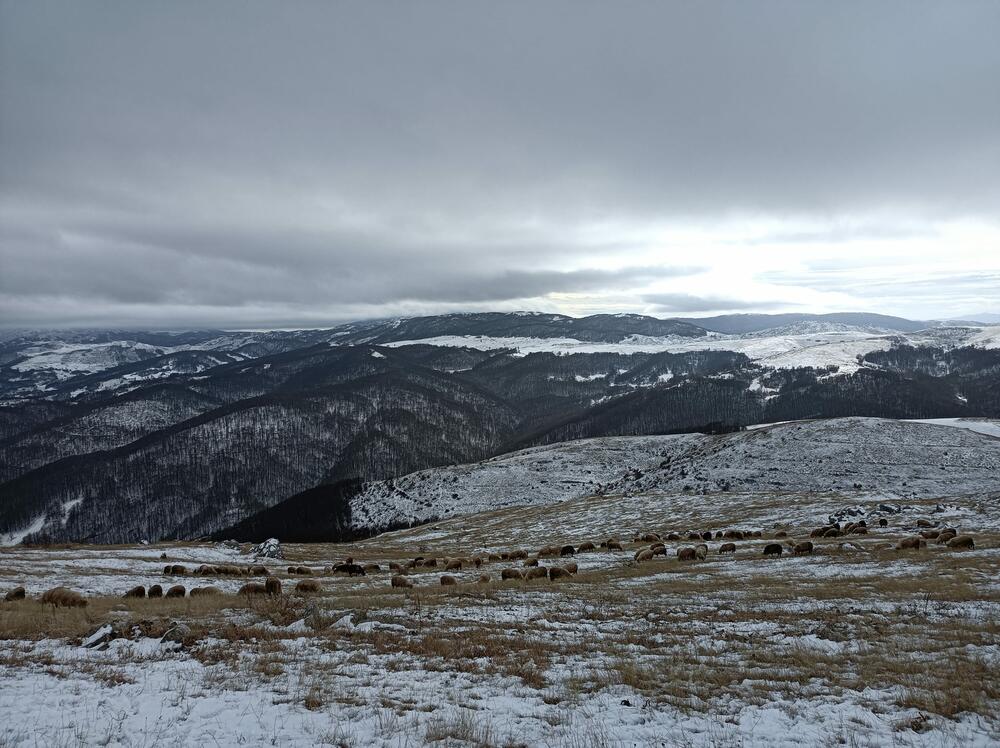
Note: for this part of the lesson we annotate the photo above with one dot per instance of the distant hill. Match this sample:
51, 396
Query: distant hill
740, 324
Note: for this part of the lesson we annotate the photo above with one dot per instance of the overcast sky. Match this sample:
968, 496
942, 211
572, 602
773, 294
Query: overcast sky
252, 164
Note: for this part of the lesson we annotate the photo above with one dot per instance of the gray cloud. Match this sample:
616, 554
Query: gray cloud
675, 303
240, 160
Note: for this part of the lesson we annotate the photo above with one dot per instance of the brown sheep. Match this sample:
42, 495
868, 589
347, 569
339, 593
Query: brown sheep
252, 588
304, 571
531, 562
557, 572
511, 574
929, 534
138, 591
924, 523
659, 549
272, 586
505, 556
567, 550
60, 597
518, 555
453, 565
155, 591
614, 545
371, 568
548, 550
430, 563
17, 593
398, 581
178, 570
962, 543
780, 534
910, 544
495, 557
694, 535
571, 567
393, 566
351, 570
308, 587
258, 571
833, 532
585, 547
205, 571
859, 530
644, 555
447, 579
673, 536
727, 548
650, 537
539, 572
945, 536
484, 579
176, 591
773, 549
686, 554
200, 591
818, 532
477, 561
801, 548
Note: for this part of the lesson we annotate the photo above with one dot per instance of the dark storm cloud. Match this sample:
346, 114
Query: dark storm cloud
308, 160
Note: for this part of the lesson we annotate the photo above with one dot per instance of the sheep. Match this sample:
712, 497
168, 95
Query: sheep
60, 597
650, 537
205, 571
727, 548
306, 571
694, 535
518, 555
929, 534
832, 532
859, 529
477, 561
567, 550
495, 557
176, 591
706, 536
586, 547
155, 591
719, 534
178, 570
394, 567
557, 572
658, 549
701, 551
614, 545
802, 548
17, 593
453, 565
924, 523
430, 563
447, 579
773, 549
371, 568
539, 572
780, 534
258, 571
644, 555
548, 550
673, 536
272, 586
883, 522
252, 588
914, 543
399, 581
531, 562
200, 591
511, 574
946, 536
483, 579
571, 567
962, 543
308, 587
686, 554
138, 591
351, 570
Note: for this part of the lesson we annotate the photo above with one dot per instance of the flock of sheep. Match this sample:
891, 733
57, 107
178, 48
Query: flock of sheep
651, 545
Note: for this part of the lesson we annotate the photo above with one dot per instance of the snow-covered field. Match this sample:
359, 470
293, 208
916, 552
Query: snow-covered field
781, 350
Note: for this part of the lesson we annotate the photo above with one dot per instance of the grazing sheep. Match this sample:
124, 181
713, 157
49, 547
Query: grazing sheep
659, 549
833, 532
883, 522
614, 545
272, 586
505, 556
911, 544
398, 581
447, 579
780, 534
205, 571
650, 537
962, 543
701, 552
694, 536
483, 579
200, 591
511, 574
60, 597
393, 566
929, 534
306, 571
518, 555
453, 565
719, 534
17, 593
571, 567
168, 570
258, 571
859, 529
924, 523
137, 591
567, 550
686, 554
176, 591
495, 557
706, 536
585, 547
727, 548
946, 536
539, 572
673, 536
818, 532
371, 568
252, 588
531, 562
644, 555
557, 572
155, 591
351, 570
477, 561
548, 550
430, 563
801, 548
308, 587
178, 569
773, 549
